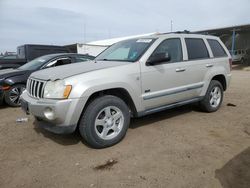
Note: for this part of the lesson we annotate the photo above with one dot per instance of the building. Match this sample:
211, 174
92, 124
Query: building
236, 38
96, 47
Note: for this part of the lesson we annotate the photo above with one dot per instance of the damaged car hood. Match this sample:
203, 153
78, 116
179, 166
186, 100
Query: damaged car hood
66, 71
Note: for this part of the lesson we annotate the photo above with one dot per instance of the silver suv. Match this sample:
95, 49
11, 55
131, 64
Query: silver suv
132, 78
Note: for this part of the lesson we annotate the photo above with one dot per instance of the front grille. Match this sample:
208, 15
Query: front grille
35, 87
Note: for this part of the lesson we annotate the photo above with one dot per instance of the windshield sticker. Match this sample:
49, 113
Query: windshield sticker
144, 40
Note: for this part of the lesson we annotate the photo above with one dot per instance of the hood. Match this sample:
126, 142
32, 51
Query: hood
65, 71
6, 73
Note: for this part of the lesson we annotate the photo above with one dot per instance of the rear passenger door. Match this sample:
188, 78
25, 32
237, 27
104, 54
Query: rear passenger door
197, 62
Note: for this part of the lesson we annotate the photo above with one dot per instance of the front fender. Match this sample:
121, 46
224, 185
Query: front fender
133, 92
20, 79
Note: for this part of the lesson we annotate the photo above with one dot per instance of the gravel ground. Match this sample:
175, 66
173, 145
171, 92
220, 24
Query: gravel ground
182, 147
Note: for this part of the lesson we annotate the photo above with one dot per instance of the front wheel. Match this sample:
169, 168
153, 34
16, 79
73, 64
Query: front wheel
105, 121
213, 98
12, 96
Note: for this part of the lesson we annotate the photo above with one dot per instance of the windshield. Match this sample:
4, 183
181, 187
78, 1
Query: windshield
129, 50
36, 63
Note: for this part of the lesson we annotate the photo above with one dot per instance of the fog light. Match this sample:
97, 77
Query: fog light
49, 114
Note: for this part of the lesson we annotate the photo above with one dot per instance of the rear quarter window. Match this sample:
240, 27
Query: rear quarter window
196, 48
217, 49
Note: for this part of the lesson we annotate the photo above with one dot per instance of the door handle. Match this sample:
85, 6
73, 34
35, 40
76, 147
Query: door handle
180, 70
209, 65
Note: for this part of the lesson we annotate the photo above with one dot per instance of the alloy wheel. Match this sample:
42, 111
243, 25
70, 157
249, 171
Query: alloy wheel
215, 97
15, 93
109, 122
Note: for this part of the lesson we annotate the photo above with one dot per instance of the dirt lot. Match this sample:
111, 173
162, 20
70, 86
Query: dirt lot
176, 148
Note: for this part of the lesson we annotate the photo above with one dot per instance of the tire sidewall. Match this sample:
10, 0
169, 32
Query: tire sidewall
213, 83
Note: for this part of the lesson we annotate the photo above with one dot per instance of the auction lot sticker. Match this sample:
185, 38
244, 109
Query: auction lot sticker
144, 40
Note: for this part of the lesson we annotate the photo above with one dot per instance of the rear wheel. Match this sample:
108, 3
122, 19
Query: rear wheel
213, 98
242, 61
12, 96
105, 121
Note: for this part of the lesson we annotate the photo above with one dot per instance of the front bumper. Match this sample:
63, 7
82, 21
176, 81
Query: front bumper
66, 113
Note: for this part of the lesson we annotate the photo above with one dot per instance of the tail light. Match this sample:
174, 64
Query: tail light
230, 63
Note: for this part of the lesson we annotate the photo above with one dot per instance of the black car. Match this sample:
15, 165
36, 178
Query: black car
28, 52
13, 81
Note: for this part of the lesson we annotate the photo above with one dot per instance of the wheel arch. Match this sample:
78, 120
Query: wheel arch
118, 92
222, 79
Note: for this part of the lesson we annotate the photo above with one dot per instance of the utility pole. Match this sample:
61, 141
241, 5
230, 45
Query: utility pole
84, 28
84, 32
233, 41
171, 23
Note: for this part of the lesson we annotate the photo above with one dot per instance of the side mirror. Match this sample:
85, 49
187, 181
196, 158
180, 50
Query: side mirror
158, 58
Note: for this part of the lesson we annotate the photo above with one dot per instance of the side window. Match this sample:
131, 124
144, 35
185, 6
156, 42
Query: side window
217, 49
196, 49
171, 48
59, 62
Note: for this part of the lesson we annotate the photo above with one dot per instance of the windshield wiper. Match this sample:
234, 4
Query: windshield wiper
102, 59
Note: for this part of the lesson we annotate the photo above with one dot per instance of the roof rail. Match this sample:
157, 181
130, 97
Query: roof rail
185, 31
177, 32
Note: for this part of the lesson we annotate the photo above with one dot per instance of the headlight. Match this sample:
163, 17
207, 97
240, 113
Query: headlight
57, 90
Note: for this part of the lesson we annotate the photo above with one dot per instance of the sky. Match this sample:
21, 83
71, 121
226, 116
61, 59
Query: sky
62, 22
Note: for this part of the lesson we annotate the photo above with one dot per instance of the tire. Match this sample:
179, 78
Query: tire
242, 61
38, 119
12, 96
105, 121
212, 100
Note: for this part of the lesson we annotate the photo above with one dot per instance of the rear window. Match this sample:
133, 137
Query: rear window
196, 49
217, 49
